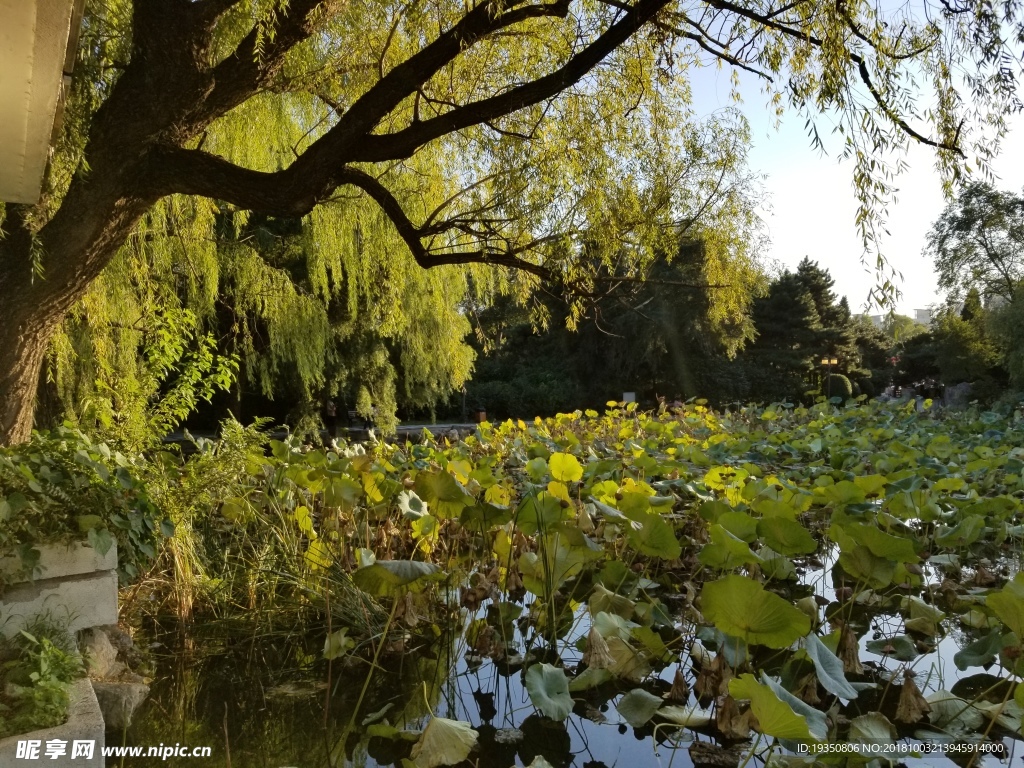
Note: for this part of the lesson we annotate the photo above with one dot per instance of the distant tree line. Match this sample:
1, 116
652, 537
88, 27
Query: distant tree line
654, 338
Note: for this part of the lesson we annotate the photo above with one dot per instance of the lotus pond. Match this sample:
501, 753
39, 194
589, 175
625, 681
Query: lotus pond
626, 589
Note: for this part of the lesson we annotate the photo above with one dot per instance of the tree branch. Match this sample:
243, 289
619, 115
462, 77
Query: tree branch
411, 234
403, 143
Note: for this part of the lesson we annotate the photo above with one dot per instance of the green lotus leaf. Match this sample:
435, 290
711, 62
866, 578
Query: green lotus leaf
725, 551
540, 513
485, 515
590, 678
655, 538
776, 717
844, 492
412, 506
786, 536
741, 607
390, 578
638, 706
861, 564
963, 534
549, 691
1008, 604
442, 492
739, 524
443, 742
901, 647
882, 544
981, 652
776, 567
829, 668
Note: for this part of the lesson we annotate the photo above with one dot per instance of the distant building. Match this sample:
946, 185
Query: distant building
923, 316
876, 320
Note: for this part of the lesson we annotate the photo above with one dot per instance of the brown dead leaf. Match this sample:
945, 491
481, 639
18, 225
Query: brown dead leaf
731, 721
849, 650
913, 705
680, 692
597, 655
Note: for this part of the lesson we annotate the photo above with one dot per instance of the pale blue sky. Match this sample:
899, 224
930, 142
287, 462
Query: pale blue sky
811, 203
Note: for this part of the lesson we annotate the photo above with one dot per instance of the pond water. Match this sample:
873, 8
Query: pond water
270, 701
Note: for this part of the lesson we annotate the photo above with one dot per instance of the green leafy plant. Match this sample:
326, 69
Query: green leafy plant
34, 683
60, 487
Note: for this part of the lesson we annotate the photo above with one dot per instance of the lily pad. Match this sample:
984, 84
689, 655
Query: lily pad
638, 706
741, 607
443, 742
549, 691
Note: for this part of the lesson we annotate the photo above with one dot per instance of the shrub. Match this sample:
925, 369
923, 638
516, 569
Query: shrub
837, 385
60, 486
867, 387
34, 679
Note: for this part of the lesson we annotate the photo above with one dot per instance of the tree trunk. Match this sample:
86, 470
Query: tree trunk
21, 359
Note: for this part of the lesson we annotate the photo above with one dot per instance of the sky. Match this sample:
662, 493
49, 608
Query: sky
810, 201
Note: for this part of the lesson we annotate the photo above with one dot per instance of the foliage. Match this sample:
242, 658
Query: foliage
964, 348
244, 545
132, 383
533, 137
978, 243
661, 345
34, 675
61, 486
605, 518
660, 334
837, 385
1004, 324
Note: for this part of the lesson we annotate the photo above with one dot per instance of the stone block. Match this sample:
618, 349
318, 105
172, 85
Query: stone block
85, 724
100, 654
119, 701
80, 602
58, 560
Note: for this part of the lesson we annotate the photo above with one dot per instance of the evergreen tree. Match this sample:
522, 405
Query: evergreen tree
782, 357
964, 348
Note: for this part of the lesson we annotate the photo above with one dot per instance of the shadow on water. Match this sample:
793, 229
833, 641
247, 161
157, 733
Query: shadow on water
263, 702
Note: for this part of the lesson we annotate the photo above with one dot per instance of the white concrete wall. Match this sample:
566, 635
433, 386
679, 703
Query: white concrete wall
78, 587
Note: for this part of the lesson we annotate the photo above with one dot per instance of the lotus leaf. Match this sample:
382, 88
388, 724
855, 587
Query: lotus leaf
443, 742
638, 706
741, 607
549, 691
390, 578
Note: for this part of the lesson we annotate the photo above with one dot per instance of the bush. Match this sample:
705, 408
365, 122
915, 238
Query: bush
35, 673
867, 387
837, 385
60, 486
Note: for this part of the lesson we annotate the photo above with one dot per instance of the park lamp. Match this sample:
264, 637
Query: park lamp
829, 361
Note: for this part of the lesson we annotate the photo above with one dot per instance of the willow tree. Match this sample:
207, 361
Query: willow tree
481, 133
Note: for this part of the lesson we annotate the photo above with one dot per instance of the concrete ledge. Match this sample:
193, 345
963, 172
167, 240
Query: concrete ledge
85, 723
57, 560
83, 601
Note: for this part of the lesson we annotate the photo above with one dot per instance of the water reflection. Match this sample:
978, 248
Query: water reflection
263, 700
